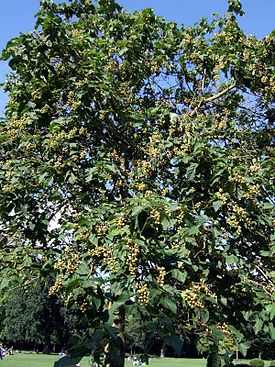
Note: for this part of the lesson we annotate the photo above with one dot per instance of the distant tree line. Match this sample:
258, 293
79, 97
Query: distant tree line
33, 319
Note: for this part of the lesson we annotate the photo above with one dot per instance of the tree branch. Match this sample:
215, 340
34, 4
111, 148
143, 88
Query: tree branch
220, 94
212, 98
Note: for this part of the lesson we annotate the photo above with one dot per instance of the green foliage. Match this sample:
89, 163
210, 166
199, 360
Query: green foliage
136, 165
235, 6
30, 315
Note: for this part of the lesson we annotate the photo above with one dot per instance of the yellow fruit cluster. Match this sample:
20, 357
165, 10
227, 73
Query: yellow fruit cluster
60, 265
191, 295
222, 196
175, 245
70, 98
220, 125
83, 131
154, 66
8, 175
198, 205
236, 177
8, 188
164, 192
19, 123
55, 288
191, 299
97, 251
133, 257
77, 33
154, 138
83, 236
68, 264
113, 154
240, 212
153, 152
71, 267
120, 221
120, 183
30, 147
144, 166
12, 134
181, 216
255, 168
155, 215
72, 133
143, 294
58, 163
109, 259
111, 66
57, 138
202, 287
181, 152
161, 275
101, 229
36, 94
83, 307
141, 186
224, 328
234, 223
228, 342
106, 254
253, 190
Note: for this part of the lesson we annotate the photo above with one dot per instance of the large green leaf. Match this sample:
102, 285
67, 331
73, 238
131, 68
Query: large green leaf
169, 304
179, 275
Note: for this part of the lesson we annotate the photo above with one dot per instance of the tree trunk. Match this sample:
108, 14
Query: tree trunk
162, 351
115, 350
213, 359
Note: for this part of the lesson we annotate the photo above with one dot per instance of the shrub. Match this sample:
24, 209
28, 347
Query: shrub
256, 362
272, 364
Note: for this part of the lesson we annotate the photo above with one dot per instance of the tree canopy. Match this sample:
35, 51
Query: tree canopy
137, 165
31, 318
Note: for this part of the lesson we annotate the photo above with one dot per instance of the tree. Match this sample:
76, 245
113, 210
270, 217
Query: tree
136, 163
31, 317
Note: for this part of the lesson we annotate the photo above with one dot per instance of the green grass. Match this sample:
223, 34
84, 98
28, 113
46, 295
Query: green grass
44, 360
29, 360
176, 362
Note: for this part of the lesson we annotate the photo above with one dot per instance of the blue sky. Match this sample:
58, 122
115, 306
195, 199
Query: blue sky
18, 16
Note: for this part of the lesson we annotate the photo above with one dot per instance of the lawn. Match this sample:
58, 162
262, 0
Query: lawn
44, 360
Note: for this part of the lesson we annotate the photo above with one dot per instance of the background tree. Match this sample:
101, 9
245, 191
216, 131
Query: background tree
136, 162
31, 318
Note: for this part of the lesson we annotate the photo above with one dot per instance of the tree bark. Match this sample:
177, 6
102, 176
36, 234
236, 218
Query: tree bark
115, 350
213, 359
162, 351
